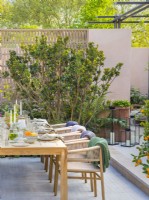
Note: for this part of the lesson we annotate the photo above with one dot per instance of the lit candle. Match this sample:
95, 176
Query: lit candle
10, 118
111, 137
14, 113
127, 142
20, 107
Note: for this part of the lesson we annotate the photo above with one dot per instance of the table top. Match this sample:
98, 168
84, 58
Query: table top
37, 148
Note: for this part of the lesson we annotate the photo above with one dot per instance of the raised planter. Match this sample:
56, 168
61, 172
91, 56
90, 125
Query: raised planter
122, 109
119, 133
103, 133
104, 113
122, 113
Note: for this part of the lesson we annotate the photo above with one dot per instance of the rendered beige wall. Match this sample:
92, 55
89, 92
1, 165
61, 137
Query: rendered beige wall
139, 65
116, 44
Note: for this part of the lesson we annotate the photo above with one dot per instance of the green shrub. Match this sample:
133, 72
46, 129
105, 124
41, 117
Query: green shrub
65, 83
136, 97
142, 158
121, 103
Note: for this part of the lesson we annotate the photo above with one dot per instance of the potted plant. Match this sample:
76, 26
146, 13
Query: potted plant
122, 109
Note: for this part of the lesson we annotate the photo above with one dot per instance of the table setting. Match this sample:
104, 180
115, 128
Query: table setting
22, 136
17, 129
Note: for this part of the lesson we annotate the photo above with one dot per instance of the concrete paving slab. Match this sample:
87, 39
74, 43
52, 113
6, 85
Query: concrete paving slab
24, 179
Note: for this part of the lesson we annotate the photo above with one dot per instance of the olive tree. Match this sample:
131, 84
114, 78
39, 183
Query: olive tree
62, 83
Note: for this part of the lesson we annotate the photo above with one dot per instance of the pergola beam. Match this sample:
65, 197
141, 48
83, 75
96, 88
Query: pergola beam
118, 19
115, 16
141, 9
130, 12
123, 3
110, 22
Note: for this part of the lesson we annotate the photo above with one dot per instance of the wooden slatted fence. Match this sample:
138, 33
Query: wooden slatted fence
11, 39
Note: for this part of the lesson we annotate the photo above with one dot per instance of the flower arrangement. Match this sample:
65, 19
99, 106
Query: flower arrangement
143, 156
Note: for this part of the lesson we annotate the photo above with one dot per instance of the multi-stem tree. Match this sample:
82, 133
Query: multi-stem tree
61, 82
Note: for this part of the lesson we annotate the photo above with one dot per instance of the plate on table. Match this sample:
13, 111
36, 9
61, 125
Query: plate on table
17, 140
20, 144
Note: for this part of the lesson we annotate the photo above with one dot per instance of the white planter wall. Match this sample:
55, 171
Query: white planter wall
116, 44
139, 65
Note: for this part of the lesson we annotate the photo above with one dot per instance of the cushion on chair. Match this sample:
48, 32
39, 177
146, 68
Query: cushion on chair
88, 134
71, 123
78, 128
80, 166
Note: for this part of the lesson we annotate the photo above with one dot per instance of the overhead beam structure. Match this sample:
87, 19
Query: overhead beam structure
117, 20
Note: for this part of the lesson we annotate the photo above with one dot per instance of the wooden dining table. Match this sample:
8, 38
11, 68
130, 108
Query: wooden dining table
56, 147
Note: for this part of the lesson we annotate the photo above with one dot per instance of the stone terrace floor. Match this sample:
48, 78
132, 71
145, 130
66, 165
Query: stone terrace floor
24, 179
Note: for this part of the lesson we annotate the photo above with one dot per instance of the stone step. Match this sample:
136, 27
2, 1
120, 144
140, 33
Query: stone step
127, 168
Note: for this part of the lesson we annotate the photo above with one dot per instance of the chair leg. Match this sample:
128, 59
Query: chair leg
95, 185
56, 176
42, 159
102, 177
102, 187
91, 181
84, 177
46, 163
51, 168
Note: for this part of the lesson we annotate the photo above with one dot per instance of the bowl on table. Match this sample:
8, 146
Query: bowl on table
30, 139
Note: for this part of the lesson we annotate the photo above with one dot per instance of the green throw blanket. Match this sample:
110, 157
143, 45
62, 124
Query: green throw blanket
105, 150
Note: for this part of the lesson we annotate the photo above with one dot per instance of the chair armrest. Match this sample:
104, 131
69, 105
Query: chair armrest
83, 150
69, 142
77, 144
58, 125
71, 133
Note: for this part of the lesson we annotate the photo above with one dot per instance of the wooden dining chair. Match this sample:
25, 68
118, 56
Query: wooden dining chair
62, 125
60, 130
67, 138
57, 128
81, 159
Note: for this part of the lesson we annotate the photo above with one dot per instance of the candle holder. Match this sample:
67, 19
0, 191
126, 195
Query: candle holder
128, 138
112, 134
21, 108
138, 134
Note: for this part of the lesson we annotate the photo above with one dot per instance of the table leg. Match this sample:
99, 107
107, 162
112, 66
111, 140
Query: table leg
63, 181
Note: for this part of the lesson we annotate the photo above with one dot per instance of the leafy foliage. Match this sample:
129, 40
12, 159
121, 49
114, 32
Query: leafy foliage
45, 14
136, 97
94, 8
5, 13
70, 14
61, 82
4, 107
144, 147
121, 103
